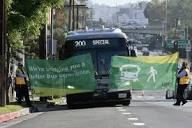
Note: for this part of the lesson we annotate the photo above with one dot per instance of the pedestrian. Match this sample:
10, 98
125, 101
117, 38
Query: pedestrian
8, 86
21, 85
133, 52
183, 80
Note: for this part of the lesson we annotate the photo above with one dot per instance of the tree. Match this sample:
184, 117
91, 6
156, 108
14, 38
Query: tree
155, 12
177, 11
24, 21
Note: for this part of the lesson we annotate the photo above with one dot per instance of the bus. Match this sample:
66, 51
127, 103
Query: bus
102, 44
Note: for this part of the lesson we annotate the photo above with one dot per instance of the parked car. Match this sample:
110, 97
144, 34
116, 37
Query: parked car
171, 94
145, 53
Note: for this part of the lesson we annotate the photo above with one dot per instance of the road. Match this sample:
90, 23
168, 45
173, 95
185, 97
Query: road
162, 114
142, 114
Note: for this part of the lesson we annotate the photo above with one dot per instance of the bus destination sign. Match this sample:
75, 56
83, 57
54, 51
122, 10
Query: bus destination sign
83, 43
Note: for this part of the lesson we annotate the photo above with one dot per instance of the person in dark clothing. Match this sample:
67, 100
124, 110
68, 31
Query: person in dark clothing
21, 85
133, 52
183, 80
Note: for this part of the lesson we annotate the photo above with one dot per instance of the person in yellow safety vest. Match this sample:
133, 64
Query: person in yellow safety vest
183, 82
21, 85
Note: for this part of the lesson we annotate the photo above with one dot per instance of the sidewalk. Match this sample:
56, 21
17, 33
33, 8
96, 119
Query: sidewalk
13, 115
37, 107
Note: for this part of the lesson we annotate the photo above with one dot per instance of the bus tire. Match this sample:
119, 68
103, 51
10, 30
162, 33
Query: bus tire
70, 106
70, 102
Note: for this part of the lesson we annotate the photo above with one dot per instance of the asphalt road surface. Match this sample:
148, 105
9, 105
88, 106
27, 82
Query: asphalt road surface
142, 114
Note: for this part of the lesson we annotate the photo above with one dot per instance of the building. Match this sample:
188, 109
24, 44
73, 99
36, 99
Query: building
132, 17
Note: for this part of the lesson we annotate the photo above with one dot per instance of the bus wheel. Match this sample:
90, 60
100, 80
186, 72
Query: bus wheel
70, 106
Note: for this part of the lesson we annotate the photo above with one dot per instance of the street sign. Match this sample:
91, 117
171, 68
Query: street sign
188, 47
180, 43
169, 43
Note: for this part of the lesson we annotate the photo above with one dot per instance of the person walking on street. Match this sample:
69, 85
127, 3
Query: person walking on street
21, 85
183, 81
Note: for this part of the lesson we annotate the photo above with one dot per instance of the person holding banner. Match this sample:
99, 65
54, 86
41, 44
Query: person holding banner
21, 86
183, 80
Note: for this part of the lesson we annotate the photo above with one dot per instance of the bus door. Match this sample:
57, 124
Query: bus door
104, 60
94, 59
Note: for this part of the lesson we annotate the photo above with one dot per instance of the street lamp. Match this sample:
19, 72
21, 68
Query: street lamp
165, 24
166, 15
52, 33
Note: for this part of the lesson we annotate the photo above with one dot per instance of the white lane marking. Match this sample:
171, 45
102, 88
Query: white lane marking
122, 110
133, 119
119, 105
126, 113
139, 124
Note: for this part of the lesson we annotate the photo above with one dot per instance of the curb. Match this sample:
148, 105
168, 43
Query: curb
13, 115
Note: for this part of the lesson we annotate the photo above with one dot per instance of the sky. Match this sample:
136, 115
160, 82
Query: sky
113, 2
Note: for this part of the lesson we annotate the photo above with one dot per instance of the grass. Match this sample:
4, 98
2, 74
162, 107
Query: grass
10, 108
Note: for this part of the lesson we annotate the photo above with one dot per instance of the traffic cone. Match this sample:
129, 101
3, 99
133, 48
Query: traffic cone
142, 93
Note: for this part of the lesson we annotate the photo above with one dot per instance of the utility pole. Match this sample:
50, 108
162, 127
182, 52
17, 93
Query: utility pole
78, 9
52, 45
43, 43
73, 10
70, 15
77, 20
166, 16
2, 54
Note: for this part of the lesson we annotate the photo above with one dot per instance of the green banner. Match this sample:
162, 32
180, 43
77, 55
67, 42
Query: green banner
58, 77
144, 72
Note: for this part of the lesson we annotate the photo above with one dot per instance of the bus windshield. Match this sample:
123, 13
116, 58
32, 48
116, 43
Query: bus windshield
101, 51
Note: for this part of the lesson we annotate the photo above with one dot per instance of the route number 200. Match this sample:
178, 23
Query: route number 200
80, 43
